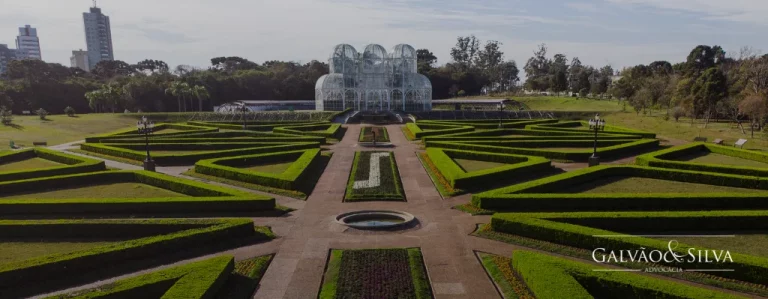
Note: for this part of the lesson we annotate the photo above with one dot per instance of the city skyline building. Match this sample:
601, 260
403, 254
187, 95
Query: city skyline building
79, 59
98, 36
6, 55
28, 43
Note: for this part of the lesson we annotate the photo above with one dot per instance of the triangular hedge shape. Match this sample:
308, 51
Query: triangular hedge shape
458, 178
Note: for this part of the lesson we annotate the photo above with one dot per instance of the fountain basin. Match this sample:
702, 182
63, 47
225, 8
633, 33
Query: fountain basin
375, 219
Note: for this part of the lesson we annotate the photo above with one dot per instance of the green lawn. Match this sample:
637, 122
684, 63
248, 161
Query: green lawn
275, 168
646, 185
474, 165
745, 243
19, 251
569, 104
151, 152
61, 128
27, 164
713, 158
116, 190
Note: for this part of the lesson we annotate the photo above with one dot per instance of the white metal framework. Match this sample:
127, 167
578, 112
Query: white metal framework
373, 81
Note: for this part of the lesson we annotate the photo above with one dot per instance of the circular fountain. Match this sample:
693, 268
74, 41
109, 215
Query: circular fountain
375, 219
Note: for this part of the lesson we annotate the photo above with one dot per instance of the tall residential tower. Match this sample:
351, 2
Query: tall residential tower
28, 44
98, 36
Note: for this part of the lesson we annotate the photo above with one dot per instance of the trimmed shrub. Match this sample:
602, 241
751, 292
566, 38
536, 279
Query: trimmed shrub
138, 154
201, 279
292, 179
583, 126
204, 198
323, 130
607, 149
459, 178
73, 164
133, 133
554, 277
36, 272
424, 130
664, 159
252, 126
577, 230
490, 123
366, 134
538, 196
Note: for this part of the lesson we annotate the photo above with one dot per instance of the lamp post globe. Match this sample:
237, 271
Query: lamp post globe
595, 124
146, 127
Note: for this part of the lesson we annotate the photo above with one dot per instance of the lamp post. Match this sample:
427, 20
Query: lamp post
596, 124
501, 110
244, 109
145, 127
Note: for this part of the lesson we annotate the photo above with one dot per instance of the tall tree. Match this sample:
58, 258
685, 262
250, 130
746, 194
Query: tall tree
182, 91
466, 50
537, 70
425, 60
708, 89
107, 69
201, 93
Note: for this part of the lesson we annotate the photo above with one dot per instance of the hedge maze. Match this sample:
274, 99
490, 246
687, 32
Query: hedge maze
374, 176
376, 273
691, 194
367, 134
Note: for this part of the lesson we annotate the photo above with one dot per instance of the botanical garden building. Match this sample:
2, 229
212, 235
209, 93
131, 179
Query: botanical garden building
373, 80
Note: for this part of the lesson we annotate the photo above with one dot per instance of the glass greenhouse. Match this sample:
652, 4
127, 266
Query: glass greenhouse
373, 81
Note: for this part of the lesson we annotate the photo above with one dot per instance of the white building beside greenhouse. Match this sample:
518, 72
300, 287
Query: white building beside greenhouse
373, 81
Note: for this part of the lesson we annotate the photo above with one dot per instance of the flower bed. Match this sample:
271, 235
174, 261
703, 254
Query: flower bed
376, 273
374, 176
367, 133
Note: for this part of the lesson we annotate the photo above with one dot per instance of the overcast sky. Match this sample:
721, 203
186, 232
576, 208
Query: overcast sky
599, 32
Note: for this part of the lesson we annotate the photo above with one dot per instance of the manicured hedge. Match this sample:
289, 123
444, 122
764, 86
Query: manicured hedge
554, 277
252, 126
205, 198
500, 134
323, 130
391, 187
490, 124
418, 130
581, 230
607, 149
665, 159
201, 279
133, 133
459, 178
540, 195
583, 126
292, 179
74, 164
187, 159
52, 267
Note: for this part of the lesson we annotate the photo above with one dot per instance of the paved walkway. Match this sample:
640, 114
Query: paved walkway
307, 234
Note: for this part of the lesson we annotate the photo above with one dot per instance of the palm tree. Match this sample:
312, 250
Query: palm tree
181, 91
201, 94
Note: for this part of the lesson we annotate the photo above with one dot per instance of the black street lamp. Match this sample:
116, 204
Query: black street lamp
596, 124
501, 110
244, 109
145, 127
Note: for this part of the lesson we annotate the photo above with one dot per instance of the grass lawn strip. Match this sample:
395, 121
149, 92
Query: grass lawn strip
201, 197
539, 195
13, 251
367, 184
331, 278
113, 190
712, 158
475, 165
28, 164
707, 157
201, 279
41, 162
641, 185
